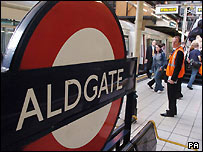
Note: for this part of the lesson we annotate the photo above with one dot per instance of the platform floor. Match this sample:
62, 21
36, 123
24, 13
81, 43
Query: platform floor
185, 127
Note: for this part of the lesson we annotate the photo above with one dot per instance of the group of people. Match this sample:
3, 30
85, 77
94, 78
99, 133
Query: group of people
174, 67
156, 63
195, 52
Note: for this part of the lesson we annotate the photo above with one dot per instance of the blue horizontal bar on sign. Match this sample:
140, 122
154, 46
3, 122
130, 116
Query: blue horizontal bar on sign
67, 92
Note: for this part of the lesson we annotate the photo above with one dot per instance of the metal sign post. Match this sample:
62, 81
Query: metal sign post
184, 24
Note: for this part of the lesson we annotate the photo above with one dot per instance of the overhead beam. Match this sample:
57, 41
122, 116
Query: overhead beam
14, 6
153, 18
183, 4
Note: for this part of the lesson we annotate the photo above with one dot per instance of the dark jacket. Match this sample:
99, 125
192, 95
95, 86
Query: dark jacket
196, 31
178, 65
149, 53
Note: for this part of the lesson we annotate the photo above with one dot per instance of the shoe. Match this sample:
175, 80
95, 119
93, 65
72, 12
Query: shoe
167, 111
159, 91
150, 86
190, 87
179, 96
166, 115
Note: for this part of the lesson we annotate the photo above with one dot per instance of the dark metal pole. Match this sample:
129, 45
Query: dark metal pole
127, 9
134, 110
128, 117
131, 109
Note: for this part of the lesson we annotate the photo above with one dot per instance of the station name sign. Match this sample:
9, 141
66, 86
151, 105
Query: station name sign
48, 98
166, 9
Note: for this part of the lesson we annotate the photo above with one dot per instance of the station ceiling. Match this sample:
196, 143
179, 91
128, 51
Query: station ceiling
167, 30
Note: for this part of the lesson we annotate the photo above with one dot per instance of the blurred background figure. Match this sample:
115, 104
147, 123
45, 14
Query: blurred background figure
149, 57
163, 47
193, 59
196, 31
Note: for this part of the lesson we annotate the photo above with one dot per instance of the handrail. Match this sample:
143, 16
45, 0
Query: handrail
176, 143
15, 6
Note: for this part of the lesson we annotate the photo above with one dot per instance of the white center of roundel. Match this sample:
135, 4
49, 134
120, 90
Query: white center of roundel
84, 46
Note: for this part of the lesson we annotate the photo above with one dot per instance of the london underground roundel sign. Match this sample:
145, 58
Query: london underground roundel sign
56, 108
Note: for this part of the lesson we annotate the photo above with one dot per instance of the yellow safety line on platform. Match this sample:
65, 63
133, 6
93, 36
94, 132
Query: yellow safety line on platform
141, 77
166, 139
135, 117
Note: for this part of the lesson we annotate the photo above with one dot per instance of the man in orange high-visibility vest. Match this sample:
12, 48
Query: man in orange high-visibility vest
175, 71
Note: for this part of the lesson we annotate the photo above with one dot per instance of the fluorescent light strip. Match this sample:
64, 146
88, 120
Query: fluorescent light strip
155, 15
146, 5
166, 17
145, 10
7, 31
173, 21
165, 20
10, 32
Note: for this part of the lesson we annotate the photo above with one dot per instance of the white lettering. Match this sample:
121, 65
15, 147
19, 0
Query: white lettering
24, 114
118, 79
94, 88
105, 87
67, 83
112, 73
49, 113
30, 95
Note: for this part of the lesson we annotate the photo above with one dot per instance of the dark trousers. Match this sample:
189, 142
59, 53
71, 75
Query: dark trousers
149, 66
179, 82
172, 91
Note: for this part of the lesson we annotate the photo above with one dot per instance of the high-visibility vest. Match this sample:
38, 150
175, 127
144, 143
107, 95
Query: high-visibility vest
200, 70
171, 64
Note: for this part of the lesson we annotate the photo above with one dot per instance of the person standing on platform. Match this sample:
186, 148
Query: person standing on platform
149, 57
194, 56
175, 70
